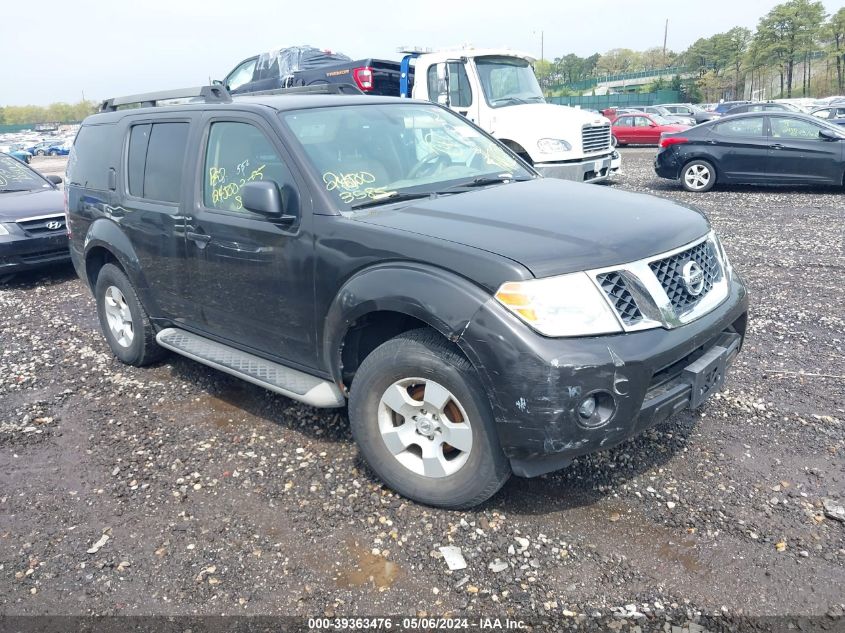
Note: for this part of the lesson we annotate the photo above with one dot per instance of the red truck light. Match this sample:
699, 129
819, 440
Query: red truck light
672, 140
363, 77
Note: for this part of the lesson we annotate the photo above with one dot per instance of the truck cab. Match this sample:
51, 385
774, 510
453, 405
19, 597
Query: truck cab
497, 90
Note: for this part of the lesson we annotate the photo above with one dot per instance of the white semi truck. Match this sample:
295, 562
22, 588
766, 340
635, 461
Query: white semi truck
497, 90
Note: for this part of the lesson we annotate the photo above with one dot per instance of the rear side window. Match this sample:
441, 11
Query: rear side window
750, 126
92, 156
156, 157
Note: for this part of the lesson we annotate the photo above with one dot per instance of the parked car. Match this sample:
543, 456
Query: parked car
773, 148
722, 108
833, 114
680, 119
642, 129
17, 152
688, 109
330, 247
32, 220
49, 148
763, 106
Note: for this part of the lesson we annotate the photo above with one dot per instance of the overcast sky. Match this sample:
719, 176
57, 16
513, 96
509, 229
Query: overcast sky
55, 50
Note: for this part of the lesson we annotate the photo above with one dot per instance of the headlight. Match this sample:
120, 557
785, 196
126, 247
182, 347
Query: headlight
567, 305
3, 230
553, 145
725, 261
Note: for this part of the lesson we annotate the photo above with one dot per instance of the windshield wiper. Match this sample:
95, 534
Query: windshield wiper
393, 196
483, 181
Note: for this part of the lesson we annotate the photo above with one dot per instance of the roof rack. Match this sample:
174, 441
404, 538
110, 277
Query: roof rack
315, 89
209, 94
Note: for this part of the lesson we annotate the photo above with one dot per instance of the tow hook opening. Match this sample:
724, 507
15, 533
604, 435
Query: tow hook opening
596, 409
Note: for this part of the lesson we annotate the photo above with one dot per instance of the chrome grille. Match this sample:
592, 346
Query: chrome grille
650, 293
595, 138
669, 272
616, 290
43, 225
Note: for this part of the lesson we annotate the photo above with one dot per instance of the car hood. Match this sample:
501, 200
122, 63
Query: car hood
24, 204
550, 226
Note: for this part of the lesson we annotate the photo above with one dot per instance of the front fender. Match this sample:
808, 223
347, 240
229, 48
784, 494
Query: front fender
443, 300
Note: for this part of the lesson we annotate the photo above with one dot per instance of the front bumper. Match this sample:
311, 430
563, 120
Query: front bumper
536, 384
19, 251
587, 170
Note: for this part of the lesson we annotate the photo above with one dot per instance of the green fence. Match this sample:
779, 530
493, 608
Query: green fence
5, 129
586, 84
600, 102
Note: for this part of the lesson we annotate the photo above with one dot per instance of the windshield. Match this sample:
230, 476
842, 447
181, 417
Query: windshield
15, 176
370, 153
508, 81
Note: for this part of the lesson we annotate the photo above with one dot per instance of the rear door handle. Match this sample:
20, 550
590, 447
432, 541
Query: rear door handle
201, 239
776, 146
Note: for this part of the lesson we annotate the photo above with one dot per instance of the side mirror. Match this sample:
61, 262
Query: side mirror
827, 135
265, 198
216, 82
56, 180
442, 96
652, 124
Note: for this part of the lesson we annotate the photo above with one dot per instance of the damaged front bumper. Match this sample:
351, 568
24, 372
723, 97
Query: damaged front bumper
638, 379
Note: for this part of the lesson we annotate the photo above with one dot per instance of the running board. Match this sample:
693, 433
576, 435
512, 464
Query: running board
264, 373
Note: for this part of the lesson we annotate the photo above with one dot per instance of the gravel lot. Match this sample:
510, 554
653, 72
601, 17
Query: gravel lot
220, 498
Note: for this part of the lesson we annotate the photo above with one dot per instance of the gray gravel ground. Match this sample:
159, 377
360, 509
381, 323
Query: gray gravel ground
220, 498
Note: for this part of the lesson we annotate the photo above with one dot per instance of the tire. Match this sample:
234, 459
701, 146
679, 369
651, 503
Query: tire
53, 153
698, 176
39, 152
132, 340
453, 477
614, 141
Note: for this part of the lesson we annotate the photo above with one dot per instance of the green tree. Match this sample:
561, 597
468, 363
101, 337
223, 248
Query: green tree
835, 34
786, 33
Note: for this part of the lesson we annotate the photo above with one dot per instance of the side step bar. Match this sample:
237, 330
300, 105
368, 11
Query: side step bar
264, 373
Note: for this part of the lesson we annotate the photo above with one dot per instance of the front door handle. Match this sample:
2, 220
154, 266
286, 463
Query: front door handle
201, 239
776, 146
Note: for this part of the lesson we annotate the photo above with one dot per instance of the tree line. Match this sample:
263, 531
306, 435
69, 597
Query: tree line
796, 50
53, 113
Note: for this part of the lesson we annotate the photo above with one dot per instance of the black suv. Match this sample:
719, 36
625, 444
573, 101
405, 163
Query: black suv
480, 319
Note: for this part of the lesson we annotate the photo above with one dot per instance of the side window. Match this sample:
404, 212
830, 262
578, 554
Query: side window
642, 121
155, 161
755, 108
623, 121
91, 157
794, 128
839, 112
460, 93
139, 138
822, 114
745, 127
238, 153
241, 75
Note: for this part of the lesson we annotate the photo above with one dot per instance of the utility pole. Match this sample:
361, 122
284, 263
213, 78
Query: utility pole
665, 38
541, 46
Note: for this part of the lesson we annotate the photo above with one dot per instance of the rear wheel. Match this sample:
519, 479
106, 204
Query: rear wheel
124, 321
423, 422
698, 176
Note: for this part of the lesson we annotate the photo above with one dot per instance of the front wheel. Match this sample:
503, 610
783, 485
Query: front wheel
698, 176
40, 152
423, 423
614, 141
